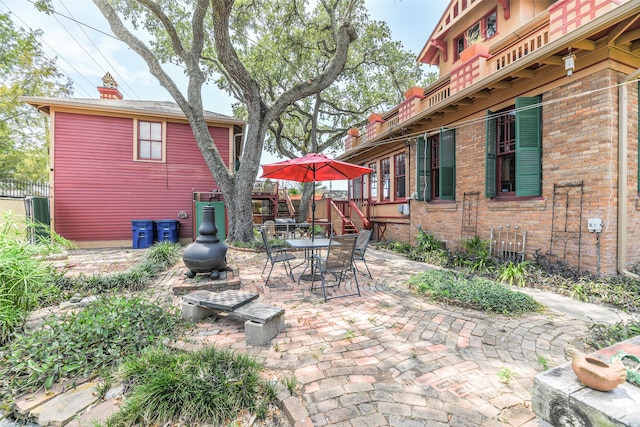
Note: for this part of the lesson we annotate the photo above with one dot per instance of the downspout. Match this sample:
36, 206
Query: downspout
622, 175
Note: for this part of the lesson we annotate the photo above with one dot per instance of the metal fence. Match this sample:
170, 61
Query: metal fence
21, 189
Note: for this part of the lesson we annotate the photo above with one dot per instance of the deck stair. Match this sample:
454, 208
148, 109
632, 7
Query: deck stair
349, 227
285, 205
345, 216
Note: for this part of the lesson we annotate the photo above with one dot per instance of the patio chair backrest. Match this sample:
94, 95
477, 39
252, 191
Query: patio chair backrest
363, 241
340, 252
265, 240
270, 227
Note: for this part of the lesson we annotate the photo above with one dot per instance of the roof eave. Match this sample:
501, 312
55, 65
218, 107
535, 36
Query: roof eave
45, 104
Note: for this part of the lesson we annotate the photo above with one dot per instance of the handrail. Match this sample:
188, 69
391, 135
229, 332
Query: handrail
338, 221
292, 209
359, 219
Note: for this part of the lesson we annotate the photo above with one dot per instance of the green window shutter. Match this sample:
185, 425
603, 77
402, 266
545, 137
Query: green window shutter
421, 169
528, 147
490, 164
427, 175
447, 164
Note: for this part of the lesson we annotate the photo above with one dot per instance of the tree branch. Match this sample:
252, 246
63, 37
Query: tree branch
141, 49
346, 35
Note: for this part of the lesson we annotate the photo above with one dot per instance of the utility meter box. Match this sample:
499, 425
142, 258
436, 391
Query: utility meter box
594, 225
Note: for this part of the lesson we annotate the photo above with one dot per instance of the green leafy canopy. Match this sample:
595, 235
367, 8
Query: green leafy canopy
25, 70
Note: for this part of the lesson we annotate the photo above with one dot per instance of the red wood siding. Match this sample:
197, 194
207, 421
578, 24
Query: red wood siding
99, 189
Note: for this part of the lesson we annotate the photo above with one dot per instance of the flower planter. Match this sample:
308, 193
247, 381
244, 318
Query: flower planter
473, 51
413, 92
374, 117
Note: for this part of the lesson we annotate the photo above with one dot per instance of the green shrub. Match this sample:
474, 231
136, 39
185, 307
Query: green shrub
211, 386
476, 246
11, 318
428, 242
439, 257
513, 273
474, 292
475, 256
80, 344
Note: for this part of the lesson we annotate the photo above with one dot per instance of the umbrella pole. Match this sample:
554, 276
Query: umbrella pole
313, 208
313, 219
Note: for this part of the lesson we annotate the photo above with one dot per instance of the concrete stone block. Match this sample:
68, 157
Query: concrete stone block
98, 414
194, 312
62, 409
296, 412
263, 333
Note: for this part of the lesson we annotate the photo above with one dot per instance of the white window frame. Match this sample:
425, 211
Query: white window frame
136, 141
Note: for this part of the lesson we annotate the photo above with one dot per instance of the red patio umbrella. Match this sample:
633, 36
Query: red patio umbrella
311, 168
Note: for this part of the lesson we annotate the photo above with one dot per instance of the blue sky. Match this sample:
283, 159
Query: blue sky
85, 54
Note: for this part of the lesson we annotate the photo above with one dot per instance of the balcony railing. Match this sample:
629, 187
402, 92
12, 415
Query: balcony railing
517, 51
465, 75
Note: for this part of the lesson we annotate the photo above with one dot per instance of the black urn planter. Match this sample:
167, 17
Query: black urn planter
207, 254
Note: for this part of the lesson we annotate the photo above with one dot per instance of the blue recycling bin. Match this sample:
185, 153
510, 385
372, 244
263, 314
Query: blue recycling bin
167, 230
143, 233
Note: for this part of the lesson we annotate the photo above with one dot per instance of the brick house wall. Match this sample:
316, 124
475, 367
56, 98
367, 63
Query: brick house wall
633, 201
579, 144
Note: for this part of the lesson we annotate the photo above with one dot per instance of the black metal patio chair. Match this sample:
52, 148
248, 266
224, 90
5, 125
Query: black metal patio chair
275, 256
361, 248
336, 265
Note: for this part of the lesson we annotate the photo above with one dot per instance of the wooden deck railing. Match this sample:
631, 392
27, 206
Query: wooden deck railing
265, 188
358, 216
337, 218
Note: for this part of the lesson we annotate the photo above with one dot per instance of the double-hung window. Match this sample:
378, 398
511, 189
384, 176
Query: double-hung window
373, 182
514, 150
400, 176
356, 188
385, 170
149, 144
437, 166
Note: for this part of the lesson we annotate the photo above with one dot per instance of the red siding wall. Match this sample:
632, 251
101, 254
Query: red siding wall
99, 189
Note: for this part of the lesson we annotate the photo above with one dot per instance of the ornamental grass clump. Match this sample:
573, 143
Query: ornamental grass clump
78, 345
211, 386
26, 281
473, 292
